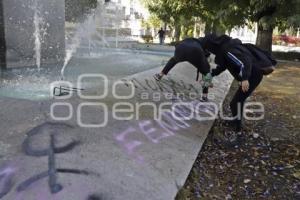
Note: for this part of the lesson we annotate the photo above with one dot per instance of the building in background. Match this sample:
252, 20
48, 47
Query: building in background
124, 15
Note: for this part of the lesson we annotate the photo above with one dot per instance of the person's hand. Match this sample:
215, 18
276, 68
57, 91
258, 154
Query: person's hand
159, 76
206, 84
207, 80
245, 85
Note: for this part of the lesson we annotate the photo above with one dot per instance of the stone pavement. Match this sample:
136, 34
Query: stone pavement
44, 158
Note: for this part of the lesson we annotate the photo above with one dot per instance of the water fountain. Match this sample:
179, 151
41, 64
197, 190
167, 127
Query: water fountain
34, 32
90, 49
111, 151
82, 31
37, 34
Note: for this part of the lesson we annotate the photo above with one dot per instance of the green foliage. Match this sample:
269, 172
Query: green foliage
222, 15
281, 13
76, 10
175, 13
229, 13
153, 22
147, 38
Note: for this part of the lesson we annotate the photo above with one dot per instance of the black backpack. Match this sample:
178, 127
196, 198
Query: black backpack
262, 59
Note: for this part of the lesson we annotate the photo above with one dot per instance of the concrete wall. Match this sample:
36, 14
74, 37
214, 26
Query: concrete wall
2, 38
19, 31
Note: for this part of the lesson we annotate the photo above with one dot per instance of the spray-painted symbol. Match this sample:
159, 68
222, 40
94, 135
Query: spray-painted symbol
6, 180
51, 129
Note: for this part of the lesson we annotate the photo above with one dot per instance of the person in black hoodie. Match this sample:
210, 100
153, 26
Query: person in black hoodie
190, 50
247, 64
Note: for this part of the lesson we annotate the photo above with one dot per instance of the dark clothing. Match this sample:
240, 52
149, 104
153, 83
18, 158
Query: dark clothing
226, 51
240, 97
170, 64
161, 33
205, 90
218, 45
243, 61
238, 58
238, 61
189, 50
261, 58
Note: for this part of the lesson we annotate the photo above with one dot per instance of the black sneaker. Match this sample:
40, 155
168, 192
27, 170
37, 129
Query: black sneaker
204, 99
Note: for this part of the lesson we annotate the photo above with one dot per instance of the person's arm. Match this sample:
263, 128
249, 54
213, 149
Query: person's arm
218, 70
246, 70
246, 73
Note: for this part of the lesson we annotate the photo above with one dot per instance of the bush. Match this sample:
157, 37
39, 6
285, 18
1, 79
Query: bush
174, 43
147, 38
286, 40
292, 56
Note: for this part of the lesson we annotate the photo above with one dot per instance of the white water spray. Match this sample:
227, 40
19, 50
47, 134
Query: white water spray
85, 30
69, 54
37, 35
82, 31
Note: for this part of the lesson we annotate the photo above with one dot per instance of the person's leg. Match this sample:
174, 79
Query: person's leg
237, 102
205, 93
170, 64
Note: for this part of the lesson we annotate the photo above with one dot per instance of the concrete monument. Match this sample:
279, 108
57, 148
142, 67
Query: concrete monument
32, 32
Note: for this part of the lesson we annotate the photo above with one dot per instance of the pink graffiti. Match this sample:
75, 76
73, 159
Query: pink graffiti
168, 126
130, 145
152, 133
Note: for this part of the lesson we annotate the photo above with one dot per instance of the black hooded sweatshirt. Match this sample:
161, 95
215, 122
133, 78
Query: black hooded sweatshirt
220, 47
238, 58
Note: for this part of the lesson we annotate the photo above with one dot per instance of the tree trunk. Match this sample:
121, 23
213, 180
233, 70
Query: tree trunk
171, 29
218, 29
208, 28
184, 32
264, 37
177, 32
165, 26
195, 35
2, 39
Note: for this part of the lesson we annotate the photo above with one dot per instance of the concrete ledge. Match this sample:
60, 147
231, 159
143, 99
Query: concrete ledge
128, 159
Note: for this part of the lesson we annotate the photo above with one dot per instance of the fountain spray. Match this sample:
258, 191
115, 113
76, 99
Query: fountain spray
37, 35
80, 33
69, 54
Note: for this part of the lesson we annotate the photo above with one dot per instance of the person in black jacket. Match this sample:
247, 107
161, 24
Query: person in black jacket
190, 50
247, 64
161, 33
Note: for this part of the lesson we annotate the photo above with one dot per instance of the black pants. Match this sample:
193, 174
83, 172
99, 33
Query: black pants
237, 102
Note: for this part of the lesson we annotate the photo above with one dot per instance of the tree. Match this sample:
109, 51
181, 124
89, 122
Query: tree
76, 10
175, 13
153, 22
222, 15
267, 14
271, 13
